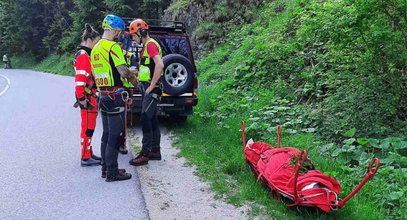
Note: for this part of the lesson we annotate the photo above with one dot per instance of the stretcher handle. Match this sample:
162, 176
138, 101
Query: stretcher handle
300, 162
372, 170
374, 166
279, 132
242, 128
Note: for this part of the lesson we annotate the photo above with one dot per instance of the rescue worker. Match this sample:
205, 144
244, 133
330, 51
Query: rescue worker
110, 71
150, 71
85, 92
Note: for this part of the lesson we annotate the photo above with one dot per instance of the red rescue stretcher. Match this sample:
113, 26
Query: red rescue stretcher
278, 168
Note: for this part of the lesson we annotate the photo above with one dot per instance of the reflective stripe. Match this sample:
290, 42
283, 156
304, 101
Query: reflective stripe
185, 94
166, 105
101, 75
118, 110
80, 83
167, 95
82, 72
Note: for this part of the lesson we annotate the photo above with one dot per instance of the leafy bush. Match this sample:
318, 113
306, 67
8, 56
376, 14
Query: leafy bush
344, 64
355, 155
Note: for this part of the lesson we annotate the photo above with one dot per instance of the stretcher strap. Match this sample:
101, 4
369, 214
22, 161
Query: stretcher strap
334, 205
302, 157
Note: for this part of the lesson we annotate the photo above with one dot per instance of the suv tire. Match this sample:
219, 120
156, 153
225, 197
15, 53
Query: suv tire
179, 119
178, 74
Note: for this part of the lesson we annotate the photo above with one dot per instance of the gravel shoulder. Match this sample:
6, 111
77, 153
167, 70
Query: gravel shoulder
173, 191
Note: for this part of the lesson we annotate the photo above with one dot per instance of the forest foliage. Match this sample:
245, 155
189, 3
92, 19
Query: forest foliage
43, 27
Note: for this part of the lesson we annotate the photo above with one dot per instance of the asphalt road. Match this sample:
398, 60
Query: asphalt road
40, 173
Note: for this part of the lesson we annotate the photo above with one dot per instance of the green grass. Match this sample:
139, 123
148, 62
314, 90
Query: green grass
24, 62
57, 64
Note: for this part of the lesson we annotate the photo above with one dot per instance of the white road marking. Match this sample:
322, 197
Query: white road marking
7, 86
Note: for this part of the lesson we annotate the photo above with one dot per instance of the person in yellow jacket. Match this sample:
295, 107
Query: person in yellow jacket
110, 71
6, 61
151, 69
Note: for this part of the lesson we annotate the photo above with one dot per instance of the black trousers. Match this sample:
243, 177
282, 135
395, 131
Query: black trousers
112, 109
150, 125
149, 120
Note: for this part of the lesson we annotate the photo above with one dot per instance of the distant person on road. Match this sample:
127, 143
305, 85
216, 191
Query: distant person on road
85, 92
7, 61
110, 70
151, 68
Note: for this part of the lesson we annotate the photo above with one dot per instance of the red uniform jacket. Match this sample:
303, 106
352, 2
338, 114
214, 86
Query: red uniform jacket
83, 73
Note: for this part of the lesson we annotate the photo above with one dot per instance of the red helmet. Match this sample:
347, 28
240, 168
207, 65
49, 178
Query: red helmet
136, 25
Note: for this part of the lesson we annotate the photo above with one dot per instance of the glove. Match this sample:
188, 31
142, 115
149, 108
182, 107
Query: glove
84, 103
133, 80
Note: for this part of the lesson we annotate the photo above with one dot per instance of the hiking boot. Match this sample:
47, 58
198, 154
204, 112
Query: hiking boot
155, 155
96, 157
118, 177
90, 162
123, 150
121, 171
140, 160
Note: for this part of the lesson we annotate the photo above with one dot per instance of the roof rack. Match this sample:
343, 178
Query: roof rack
160, 25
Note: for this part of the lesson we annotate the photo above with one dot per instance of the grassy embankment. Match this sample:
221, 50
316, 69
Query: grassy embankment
57, 64
255, 76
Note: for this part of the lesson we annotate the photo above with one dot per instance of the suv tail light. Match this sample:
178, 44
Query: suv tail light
195, 86
189, 101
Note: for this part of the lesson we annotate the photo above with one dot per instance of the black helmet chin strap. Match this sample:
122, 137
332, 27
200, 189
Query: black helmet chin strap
139, 37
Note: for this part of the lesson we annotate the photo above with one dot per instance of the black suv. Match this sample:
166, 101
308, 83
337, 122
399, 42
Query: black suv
180, 79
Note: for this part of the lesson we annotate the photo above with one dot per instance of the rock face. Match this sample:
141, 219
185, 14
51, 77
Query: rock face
208, 21
193, 15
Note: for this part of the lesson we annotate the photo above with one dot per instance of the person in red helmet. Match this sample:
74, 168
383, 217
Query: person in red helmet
150, 71
85, 91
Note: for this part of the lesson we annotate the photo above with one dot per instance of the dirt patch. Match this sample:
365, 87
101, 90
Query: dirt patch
172, 191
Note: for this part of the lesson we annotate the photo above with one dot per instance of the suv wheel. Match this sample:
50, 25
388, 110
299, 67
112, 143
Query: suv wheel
180, 118
178, 74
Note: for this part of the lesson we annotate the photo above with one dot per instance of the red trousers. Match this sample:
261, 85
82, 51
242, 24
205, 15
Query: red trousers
88, 124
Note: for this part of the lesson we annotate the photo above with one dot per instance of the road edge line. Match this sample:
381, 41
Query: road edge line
130, 149
7, 86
